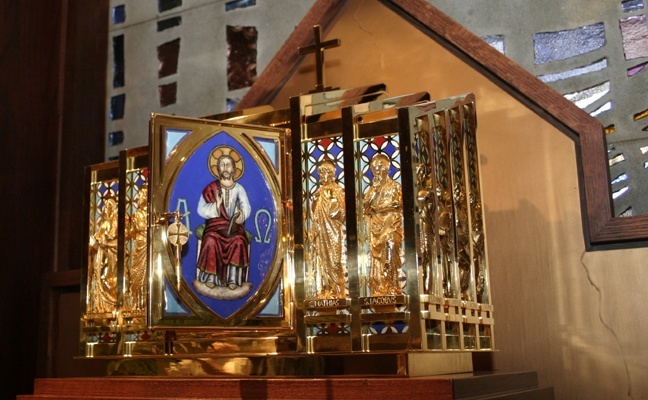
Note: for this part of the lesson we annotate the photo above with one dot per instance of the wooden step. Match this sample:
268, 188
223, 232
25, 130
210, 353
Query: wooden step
470, 386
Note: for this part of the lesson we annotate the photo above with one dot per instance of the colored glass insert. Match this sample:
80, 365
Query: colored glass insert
616, 159
496, 41
620, 178
588, 96
632, 5
118, 14
605, 107
596, 66
231, 5
168, 94
636, 69
117, 105
561, 45
626, 213
168, 23
168, 56
618, 193
241, 56
118, 61
640, 115
166, 5
115, 138
634, 31
232, 103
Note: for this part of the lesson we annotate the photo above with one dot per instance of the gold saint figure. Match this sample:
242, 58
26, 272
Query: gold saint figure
427, 242
383, 209
104, 263
328, 234
138, 232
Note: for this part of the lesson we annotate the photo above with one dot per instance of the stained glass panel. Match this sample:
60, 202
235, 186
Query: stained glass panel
117, 105
168, 23
118, 61
635, 36
561, 45
166, 5
119, 14
232, 5
241, 56
632, 5
168, 57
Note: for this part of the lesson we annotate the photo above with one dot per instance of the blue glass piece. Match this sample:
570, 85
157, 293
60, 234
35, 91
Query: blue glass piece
620, 178
172, 306
166, 5
119, 14
168, 23
115, 138
117, 105
231, 104
231, 5
632, 5
272, 150
274, 306
561, 45
173, 138
496, 41
118, 61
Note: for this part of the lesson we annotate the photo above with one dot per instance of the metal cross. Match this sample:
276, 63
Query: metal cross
318, 48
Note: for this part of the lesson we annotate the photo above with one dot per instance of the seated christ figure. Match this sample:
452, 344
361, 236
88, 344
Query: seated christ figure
223, 260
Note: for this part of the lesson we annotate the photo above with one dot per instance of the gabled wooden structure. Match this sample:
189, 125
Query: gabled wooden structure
601, 228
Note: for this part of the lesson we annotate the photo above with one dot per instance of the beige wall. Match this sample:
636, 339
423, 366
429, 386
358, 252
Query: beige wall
576, 317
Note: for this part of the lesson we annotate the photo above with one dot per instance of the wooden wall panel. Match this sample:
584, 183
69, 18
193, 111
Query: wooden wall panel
44, 142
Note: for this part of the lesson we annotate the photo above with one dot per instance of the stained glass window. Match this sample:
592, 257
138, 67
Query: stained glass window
241, 56
168, 94
168, 57
635, 36
561, 45
118, 61
632, 5
166, 5
119, 14
117, 105
231, 5
168, 23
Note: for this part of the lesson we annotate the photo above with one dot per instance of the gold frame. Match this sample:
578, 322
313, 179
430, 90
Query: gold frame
165, 166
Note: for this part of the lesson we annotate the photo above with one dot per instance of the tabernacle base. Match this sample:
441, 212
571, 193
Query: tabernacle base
384, 364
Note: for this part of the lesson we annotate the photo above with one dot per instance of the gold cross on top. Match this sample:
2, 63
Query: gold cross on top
318, 48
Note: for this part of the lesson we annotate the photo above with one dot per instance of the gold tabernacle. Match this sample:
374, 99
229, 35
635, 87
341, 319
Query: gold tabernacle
344, 232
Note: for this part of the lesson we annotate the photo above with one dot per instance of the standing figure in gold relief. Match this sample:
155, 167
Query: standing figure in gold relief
383, 206
328, 234
138, 233
427, 241
103, 244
